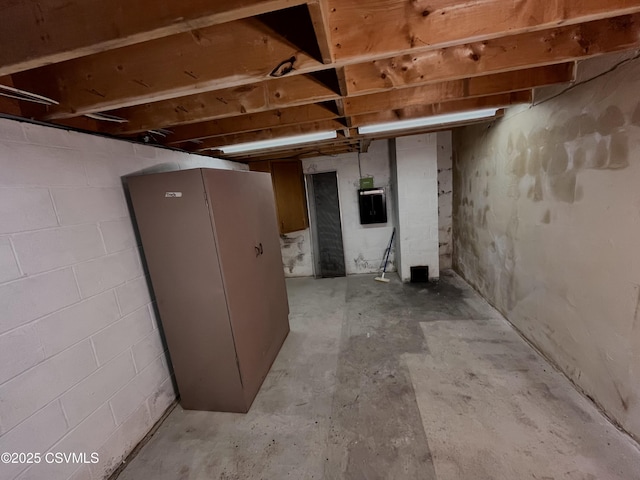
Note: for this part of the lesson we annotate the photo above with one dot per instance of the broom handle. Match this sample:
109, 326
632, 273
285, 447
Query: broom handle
386, 258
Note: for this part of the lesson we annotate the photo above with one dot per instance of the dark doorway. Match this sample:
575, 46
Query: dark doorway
327, 226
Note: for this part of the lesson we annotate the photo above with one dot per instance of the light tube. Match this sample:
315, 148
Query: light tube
429, 121
277, 142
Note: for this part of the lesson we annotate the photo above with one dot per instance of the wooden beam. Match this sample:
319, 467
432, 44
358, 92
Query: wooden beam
290, 151
467, 104
239, 52
459, 89
256, 97
318, 13
365, 143
299, 153
36, 33
320, 112
300, 90
106, 82
192, 108
557, 45
250, 122
397, 27
342, 83
267, 134
222, 56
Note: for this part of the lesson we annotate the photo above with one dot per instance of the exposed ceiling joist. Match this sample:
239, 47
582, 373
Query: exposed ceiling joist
36, 33
458, 89
339, 142
291, 91
244, 51
534, 49
233, 71
256, 97
318, 13
221, 56
293, 128
250, 122
398, 27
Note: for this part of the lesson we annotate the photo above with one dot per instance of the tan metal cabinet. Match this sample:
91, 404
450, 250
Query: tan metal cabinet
210, 239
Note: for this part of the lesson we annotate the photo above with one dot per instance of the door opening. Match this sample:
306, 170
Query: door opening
326, 228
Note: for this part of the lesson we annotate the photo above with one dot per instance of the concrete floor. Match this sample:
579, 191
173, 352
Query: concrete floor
396, 382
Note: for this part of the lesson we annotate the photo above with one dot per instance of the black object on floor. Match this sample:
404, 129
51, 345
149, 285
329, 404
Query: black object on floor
419, 274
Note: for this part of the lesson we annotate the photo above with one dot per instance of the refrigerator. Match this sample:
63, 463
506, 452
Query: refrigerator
210, 240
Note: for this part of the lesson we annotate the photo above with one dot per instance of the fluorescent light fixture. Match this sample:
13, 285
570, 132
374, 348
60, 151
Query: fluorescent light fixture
278, 142
429, 121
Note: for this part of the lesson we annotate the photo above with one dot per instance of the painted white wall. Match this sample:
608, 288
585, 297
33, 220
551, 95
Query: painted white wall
445, 197
393, 180
82, 364
547, 228
417, 192
364, 245
410, 168
296, 254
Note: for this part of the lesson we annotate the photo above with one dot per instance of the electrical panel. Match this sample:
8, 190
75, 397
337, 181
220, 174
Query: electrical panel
373, 205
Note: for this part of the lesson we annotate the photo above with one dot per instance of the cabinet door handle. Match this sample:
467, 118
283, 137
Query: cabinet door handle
259, 250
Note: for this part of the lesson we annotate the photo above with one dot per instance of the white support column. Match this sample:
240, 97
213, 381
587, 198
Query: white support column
416, 175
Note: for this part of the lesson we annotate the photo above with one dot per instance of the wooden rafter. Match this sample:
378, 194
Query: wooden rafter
278, 152
387, 101
215, 73
229, 102
458, 89
290, 91
266, 134
36, 33
318, 13
527, 50
398, 27
144, 72
221, 56
250, 122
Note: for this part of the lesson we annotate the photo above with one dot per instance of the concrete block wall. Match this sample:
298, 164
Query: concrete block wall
417, 191
83, 367
547, 228
445, 197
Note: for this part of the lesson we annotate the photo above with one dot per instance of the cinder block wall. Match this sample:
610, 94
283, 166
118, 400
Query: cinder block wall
445, 198
547, 227
82, 363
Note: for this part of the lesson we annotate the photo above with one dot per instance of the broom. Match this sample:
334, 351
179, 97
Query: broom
386, 259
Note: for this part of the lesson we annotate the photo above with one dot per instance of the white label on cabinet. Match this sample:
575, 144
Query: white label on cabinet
173, 194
